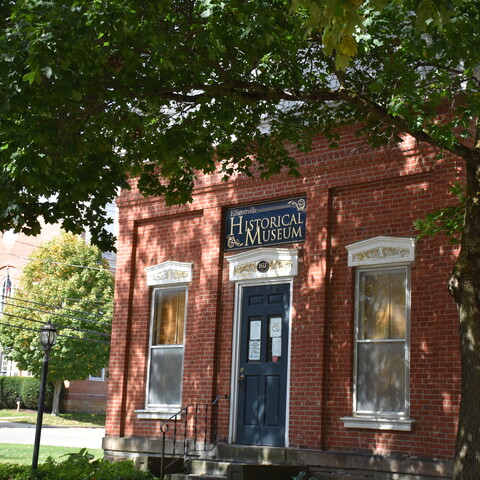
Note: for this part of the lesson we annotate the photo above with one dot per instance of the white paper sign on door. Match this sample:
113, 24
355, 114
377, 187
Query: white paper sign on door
276, 347
275, 327
254, 350
255, 329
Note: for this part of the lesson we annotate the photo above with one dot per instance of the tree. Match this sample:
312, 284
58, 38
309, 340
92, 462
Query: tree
68, 284
95, 92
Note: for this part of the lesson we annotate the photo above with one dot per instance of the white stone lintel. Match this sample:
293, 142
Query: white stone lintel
281, 263
169, 273
381, 250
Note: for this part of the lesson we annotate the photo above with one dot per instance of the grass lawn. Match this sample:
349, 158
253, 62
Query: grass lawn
64, 419
22, 454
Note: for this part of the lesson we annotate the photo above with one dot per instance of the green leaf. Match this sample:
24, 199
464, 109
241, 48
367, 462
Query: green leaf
30, 77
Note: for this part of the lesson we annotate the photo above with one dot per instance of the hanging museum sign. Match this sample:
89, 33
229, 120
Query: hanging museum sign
266, 224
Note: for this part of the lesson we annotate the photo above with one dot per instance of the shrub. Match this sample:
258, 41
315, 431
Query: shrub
9, 391
25, 388
10, 472
78, 466
29, 392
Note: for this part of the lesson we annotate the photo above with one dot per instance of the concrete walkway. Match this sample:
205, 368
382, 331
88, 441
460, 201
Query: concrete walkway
85, 437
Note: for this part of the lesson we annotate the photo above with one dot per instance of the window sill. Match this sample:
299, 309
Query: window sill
157, 413
378, 423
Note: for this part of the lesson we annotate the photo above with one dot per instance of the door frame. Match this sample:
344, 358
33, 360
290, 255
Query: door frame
283, 268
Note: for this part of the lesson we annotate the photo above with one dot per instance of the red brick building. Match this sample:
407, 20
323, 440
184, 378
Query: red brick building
307, 304
89, 395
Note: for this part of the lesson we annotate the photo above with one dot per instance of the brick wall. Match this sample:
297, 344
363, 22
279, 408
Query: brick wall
353, 194
84, 396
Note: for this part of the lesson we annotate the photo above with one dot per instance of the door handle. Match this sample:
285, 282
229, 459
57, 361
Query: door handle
241, 382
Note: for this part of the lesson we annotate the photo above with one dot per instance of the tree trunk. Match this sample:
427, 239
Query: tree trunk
464, 285
56, 397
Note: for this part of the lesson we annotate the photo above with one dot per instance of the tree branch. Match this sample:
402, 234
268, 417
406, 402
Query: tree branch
438, 66
468, 154
251, 91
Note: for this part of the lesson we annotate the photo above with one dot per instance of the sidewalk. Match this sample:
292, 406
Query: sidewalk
78, 437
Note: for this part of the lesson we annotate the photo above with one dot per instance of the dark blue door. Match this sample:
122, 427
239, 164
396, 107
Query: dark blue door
262, 376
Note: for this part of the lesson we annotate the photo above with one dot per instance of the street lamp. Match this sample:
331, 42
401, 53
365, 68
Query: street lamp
48, 338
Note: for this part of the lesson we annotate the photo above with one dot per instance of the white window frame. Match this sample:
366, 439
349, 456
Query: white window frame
169, 275
382, 254
3, 296
100, 378
168, 408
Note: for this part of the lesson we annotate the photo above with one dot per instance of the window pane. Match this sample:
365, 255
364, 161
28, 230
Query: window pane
165, 376
168, 317
381, 377
398, 299
382, 305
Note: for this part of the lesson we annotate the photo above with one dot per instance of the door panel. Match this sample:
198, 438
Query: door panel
263, 366
252, 390
272, 404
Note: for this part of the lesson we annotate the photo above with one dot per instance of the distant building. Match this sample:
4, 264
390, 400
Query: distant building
89, 395
15, 251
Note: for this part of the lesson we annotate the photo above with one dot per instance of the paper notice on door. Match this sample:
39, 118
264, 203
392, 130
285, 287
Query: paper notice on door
275, 327
276, 347
254, 350
255, 329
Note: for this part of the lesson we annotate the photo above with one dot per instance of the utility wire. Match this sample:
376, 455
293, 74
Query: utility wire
85, 339
21, 328
58, 325
60, 335
56, 263
14, 299
56, 314
19, 292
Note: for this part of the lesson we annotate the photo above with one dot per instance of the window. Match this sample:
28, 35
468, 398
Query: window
381, 339
98, 376
6, 291
4, 367
169, 281
166, 347
381, 342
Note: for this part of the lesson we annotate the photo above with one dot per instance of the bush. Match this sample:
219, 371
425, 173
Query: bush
30, 390
9, 391
78, 466
25, 388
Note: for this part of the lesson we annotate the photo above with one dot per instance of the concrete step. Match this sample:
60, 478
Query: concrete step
207, 467
200, 469
185, 476
252, 454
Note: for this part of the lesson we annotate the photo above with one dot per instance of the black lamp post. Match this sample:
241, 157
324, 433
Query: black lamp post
48, 338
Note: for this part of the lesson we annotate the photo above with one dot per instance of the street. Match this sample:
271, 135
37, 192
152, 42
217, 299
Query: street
14, 432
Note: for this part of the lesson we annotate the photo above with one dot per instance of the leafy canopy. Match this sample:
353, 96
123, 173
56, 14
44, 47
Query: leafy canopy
68, 284
94, 92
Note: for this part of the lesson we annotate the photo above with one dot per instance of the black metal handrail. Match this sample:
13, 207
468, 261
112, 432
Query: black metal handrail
198, 413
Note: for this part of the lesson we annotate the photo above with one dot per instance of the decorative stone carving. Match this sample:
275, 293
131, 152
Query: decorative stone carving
169, 273
381, 250
283, 262
277, 268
